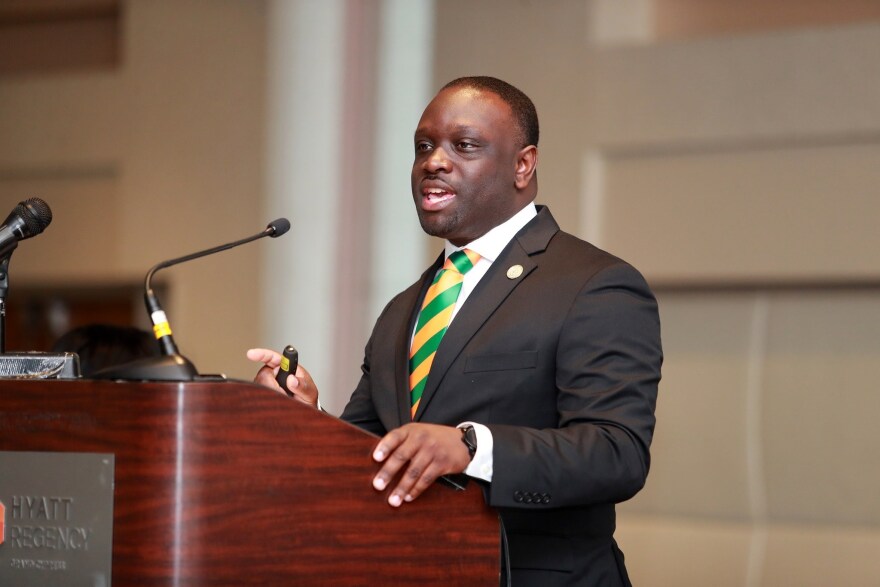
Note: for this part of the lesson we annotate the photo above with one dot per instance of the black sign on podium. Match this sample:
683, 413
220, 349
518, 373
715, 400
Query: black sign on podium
56, 519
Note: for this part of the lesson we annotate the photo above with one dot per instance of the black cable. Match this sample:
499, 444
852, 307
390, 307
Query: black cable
505, 550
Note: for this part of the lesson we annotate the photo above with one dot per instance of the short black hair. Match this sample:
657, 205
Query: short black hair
106, 345
521, 105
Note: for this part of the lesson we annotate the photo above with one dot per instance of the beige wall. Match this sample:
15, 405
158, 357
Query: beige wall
158, 159
538, 47
739, 174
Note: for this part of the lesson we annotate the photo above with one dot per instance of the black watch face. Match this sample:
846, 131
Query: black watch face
469, 437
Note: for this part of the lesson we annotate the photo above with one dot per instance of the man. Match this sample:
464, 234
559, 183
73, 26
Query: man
543, 385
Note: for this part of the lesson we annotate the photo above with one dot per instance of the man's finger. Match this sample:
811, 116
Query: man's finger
391, 451
268, 357
298, 389
388, 444
266, 377
417, 477
422, 483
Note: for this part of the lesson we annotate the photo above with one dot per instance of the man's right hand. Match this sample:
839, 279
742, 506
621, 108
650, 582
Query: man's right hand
301, 384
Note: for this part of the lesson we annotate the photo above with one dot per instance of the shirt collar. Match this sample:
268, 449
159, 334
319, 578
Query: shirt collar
490, 245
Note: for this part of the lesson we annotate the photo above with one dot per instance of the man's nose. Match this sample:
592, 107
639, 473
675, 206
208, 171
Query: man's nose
437, 161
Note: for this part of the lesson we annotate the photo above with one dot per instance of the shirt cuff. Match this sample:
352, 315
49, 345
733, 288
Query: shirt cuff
481, 464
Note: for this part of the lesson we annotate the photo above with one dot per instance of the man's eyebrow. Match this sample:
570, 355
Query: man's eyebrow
459, 129
468, 129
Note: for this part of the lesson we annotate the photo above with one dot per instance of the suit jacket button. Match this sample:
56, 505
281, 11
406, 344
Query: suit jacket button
545, 498
518, 496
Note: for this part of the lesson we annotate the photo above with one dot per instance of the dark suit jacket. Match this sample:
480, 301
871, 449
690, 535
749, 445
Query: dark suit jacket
562, 364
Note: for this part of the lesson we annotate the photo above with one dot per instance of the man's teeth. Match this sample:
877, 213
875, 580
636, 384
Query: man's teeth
434, 194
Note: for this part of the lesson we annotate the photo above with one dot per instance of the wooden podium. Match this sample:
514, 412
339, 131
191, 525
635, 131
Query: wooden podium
228, 483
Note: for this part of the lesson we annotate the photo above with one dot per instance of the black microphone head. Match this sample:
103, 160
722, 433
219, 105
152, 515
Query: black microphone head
34, 213
278, 227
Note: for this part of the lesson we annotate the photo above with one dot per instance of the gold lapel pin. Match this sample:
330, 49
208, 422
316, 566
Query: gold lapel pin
514, 271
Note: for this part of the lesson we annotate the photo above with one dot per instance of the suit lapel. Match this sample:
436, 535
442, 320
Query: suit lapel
489, 294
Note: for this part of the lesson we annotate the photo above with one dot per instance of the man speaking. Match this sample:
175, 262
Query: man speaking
524, 357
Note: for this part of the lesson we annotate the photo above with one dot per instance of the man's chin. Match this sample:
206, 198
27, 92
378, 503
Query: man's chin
437, 225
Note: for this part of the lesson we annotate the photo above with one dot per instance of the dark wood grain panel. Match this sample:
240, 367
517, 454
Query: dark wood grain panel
232, 484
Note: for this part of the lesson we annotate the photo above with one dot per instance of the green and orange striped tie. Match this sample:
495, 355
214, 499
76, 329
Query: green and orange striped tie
434, 319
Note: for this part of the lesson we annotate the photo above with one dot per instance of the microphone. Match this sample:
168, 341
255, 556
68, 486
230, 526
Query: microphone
161, 328
172, 366
29, 218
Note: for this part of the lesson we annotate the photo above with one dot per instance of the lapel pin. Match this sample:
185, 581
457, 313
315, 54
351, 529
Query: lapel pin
514, 271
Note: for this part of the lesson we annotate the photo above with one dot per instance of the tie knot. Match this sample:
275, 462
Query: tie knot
461, 261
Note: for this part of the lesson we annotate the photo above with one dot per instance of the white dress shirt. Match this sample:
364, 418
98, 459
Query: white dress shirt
488, 246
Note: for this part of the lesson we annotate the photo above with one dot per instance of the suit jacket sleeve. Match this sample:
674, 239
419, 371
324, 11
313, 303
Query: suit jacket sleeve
360, 409
607, 361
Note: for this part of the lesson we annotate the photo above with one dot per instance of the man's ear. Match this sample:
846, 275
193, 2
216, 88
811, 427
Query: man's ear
526, 163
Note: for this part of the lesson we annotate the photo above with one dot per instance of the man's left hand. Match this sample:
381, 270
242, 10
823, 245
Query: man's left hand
424, 452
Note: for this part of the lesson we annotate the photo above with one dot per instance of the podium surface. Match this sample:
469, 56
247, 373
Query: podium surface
228, 483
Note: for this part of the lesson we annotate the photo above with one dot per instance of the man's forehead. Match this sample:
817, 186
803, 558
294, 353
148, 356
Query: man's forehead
465, 96
465, 109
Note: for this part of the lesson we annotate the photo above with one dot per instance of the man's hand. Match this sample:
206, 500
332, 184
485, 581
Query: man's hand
301, 384
424, 452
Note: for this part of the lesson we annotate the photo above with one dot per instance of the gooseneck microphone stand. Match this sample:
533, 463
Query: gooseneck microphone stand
171, 365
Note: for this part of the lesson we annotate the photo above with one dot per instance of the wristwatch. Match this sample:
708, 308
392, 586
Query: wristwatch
469, 438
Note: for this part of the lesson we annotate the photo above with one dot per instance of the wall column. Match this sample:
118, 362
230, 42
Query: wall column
347, 82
